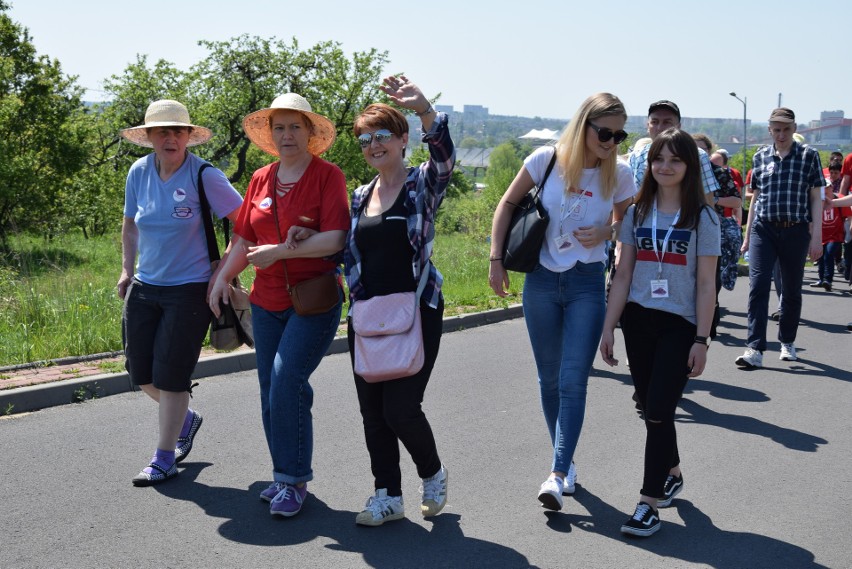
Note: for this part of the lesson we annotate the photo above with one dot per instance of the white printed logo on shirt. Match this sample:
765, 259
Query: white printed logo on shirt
265, 204
179, 195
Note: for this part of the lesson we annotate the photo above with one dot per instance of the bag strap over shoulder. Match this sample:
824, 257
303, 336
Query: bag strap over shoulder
206, 217
539, 188
547, 172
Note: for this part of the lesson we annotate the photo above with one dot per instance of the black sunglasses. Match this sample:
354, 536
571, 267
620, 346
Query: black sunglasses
381, 136
604, 134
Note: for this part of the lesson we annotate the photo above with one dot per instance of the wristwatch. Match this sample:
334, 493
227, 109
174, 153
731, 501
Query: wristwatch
702, 340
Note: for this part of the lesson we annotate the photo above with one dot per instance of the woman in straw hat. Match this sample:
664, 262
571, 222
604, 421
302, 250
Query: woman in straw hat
165, 308
299, 197
388, 249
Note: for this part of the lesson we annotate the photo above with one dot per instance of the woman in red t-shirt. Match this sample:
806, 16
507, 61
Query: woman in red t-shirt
298, 198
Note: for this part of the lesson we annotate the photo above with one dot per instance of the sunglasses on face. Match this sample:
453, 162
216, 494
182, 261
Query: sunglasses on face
381, 136
604, 134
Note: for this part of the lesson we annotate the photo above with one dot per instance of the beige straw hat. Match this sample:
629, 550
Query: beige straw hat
166, 112
257, 128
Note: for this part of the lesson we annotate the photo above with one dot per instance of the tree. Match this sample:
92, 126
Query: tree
237, 77
41, 133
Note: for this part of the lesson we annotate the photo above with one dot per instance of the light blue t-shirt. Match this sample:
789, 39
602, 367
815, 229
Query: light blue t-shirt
172, 245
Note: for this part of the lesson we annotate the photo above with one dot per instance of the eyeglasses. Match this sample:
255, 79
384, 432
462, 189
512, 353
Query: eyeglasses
381, 137
604, 134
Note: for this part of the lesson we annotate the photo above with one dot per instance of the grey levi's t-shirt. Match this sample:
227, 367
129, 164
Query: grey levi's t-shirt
680, 266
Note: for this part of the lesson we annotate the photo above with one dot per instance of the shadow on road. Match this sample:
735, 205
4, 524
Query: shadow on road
697, 413
398, 544
699, 541
790, 438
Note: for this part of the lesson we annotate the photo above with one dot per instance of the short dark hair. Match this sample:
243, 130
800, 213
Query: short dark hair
704, 139
835, 166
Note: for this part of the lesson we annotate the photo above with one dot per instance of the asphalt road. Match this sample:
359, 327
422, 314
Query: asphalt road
766, 459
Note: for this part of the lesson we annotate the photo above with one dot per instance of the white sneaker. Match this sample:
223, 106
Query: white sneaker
788, 353
750, 359
568, 485
434, 492
381, 508
550, 494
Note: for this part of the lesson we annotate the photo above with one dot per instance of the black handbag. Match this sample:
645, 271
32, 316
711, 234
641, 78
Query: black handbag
233, 328
522, 245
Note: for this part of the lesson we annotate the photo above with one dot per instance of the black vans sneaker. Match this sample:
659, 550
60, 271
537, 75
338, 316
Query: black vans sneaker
674, 484
645, 521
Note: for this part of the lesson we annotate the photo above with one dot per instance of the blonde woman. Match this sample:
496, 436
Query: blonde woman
564, 297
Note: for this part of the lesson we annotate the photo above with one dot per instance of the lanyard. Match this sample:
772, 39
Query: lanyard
661, 255
562, 215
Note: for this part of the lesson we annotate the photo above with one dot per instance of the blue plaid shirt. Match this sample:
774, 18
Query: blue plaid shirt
425, 188
784, 183
639, 164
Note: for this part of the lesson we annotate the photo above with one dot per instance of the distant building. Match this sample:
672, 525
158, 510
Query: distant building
475, 112
448, 109
832, 130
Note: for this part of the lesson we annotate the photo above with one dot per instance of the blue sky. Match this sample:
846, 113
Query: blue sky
516, 58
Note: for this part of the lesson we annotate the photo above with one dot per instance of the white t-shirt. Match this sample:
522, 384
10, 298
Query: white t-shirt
580, 207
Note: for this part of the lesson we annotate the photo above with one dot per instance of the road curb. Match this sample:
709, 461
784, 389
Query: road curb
63, 392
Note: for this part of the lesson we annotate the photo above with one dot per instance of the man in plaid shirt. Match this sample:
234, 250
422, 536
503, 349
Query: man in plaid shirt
786, 181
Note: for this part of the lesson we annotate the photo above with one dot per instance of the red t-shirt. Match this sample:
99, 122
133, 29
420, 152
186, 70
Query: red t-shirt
737, 178
318, 201
832, 224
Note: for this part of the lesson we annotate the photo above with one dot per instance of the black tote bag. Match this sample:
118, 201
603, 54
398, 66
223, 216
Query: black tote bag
522, 245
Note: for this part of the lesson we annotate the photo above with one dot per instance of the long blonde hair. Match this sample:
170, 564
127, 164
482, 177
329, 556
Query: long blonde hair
571, 148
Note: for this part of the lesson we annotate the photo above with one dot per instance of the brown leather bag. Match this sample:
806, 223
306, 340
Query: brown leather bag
314, 296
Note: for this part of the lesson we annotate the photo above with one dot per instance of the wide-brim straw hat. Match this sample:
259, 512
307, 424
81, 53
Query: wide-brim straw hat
166, 112
258, 129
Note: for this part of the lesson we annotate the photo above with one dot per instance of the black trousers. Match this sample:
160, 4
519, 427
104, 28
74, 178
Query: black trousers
391, 411
658, 345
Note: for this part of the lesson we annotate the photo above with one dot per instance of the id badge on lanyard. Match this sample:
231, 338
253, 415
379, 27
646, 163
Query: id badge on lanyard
660, 286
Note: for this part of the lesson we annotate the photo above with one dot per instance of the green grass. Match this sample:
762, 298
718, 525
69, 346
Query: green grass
58, 297
463, 261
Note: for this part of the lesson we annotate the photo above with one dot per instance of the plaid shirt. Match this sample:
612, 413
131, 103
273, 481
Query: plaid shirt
425, 188
639, 164
784, 183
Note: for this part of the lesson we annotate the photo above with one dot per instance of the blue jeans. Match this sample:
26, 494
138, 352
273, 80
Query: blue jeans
564, 313
826, 262
789, 247
289, 348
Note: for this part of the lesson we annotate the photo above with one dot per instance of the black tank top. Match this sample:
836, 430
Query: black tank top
386, 252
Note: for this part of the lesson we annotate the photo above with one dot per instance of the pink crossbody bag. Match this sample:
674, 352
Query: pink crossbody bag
389, 334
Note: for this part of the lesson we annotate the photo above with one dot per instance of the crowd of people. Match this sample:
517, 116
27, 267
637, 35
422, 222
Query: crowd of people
671, 211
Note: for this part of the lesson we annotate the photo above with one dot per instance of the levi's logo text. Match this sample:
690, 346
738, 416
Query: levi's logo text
676, 248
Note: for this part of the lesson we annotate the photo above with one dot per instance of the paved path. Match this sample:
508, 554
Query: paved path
766, 458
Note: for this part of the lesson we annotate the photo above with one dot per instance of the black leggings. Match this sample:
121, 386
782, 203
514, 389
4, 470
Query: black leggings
392, 412
658, 345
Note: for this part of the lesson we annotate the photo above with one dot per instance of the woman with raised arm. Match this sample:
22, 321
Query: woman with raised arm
388, 249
